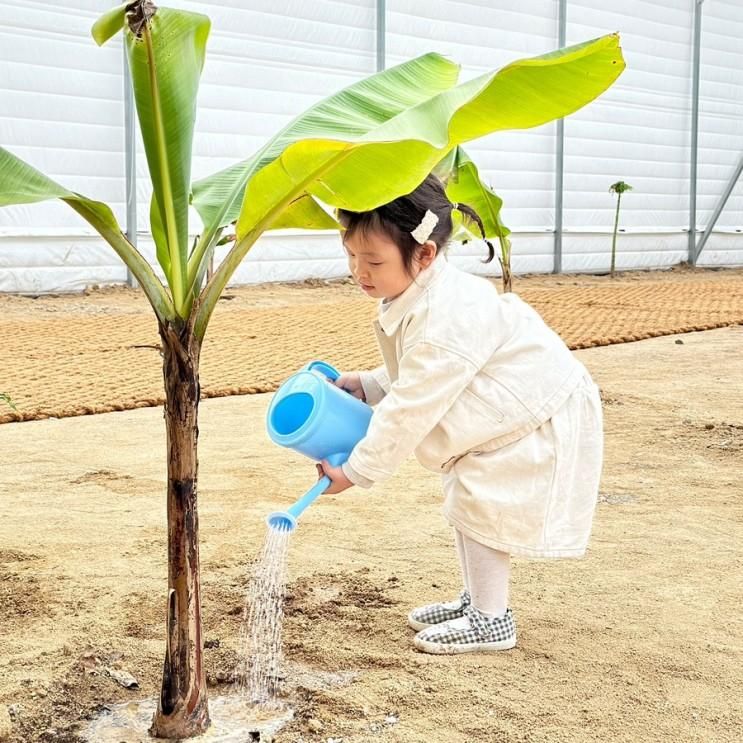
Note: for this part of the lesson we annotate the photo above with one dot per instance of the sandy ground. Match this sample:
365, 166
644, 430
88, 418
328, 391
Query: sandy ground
640, 641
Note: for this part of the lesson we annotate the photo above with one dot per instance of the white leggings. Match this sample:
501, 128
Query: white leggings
486, 573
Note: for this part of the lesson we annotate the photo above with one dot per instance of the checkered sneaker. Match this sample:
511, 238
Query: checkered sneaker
432, 614
472, 633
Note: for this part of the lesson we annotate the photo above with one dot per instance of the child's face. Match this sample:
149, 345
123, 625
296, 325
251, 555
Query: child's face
376, 264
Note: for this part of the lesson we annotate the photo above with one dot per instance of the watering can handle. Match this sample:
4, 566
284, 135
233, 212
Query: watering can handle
329, 371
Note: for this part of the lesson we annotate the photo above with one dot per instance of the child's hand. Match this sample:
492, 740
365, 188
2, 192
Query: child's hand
351, 382
338, 481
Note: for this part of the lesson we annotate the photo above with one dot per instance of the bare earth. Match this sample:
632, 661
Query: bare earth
640, 641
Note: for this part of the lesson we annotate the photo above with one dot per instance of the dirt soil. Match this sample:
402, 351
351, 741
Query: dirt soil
639, 641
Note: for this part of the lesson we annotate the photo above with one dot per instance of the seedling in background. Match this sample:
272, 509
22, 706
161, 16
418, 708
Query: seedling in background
618, 188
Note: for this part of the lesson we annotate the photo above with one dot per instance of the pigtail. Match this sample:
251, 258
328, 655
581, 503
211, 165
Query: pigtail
402, 219
475, 217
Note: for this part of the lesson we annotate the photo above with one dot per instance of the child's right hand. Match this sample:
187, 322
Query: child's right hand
351, 382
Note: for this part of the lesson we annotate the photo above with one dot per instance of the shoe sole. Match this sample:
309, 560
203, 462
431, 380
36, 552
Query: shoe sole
438, 648
416, 625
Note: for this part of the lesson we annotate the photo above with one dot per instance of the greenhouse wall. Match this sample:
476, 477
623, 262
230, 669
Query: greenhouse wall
62, 110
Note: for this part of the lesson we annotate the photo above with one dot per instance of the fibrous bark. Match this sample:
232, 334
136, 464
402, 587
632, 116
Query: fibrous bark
182, 710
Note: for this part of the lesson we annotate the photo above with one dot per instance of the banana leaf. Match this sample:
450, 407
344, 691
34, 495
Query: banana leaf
21, 183
392, 158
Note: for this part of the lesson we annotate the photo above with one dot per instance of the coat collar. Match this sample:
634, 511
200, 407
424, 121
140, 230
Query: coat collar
392, 313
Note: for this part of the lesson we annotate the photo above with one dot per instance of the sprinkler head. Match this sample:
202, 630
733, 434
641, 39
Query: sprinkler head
281, 521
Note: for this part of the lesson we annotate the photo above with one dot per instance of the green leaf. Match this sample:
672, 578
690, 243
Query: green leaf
356, 174
338, 173
5, 397
619, 187
306, 214
464, 186
349, 113
23, 184
159, 236
109, 24
166, 63
531, 92
393, 157
346, 115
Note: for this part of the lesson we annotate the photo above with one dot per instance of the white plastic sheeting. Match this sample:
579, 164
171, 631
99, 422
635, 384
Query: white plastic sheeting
61, 109
721, 129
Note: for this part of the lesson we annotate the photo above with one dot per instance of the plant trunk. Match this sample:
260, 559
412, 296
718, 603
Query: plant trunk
614, 239
505, 263
182, 710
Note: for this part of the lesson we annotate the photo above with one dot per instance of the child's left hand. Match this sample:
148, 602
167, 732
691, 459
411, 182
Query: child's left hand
338, 481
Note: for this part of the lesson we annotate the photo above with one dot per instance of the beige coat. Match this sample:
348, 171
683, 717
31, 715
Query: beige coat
468, 372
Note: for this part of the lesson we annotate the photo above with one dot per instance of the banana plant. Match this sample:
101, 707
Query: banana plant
618, 188
357, 149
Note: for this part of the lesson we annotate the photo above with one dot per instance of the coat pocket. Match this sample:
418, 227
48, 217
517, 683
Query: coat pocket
491, 412
468, 423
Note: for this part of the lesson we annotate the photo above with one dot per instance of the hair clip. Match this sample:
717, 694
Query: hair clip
423, 231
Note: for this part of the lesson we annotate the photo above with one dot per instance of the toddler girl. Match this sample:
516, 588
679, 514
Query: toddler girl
486, 395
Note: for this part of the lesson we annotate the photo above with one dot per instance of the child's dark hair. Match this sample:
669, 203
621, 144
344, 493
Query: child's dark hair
400, 217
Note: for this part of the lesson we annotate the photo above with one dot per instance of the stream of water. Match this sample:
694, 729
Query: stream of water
258, 671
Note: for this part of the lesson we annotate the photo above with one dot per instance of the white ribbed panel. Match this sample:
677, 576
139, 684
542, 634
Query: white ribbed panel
61, 109
639, 130
61, 106
720, 113
483, 35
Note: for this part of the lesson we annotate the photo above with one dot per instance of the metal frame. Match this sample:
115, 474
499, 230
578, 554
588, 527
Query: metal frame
130, 153
562, 13
381, 35
697, 48
699, 247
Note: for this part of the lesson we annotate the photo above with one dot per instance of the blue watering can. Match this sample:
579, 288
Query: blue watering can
319, 420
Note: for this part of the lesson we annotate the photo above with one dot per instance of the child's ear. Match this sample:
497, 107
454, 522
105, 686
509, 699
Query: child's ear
427, 253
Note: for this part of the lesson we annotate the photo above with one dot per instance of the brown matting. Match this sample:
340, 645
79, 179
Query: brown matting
97, 352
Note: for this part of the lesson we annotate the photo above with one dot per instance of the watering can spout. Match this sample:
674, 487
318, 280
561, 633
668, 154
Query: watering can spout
287, 520
281, 521
315, 418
